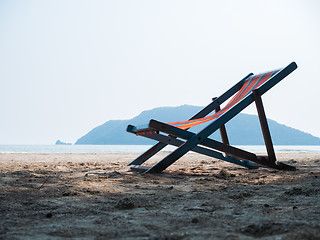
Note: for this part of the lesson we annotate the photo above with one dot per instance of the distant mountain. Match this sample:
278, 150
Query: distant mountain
244, 129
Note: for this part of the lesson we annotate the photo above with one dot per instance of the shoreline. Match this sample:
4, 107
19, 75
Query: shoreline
138, 148
95, 196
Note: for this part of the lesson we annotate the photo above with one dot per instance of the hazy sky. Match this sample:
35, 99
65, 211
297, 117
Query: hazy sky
69, 66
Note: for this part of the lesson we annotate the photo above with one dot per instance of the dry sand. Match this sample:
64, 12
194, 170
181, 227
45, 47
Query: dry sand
94, 196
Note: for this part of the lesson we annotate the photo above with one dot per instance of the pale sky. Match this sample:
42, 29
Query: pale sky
68, 66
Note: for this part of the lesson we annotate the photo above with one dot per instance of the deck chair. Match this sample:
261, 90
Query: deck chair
246, 91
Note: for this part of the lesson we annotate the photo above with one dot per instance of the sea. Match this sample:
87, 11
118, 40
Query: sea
133, 148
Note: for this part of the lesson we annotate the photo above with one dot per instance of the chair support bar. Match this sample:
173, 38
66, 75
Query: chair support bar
264, 126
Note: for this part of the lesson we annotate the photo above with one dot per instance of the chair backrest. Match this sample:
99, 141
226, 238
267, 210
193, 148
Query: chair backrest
251, 83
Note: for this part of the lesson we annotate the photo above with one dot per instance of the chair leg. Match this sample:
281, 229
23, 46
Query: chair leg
175, 155
148, 154
264, 126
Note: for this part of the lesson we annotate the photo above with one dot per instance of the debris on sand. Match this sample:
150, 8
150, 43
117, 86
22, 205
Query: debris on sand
223, 174
263, 229
125, 203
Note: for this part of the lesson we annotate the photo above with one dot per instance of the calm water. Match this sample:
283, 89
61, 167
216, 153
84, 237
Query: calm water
128, 148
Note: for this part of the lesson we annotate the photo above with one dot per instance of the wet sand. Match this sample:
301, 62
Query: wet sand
95, 196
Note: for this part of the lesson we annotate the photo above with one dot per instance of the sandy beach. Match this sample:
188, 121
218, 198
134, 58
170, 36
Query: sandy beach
96, 196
